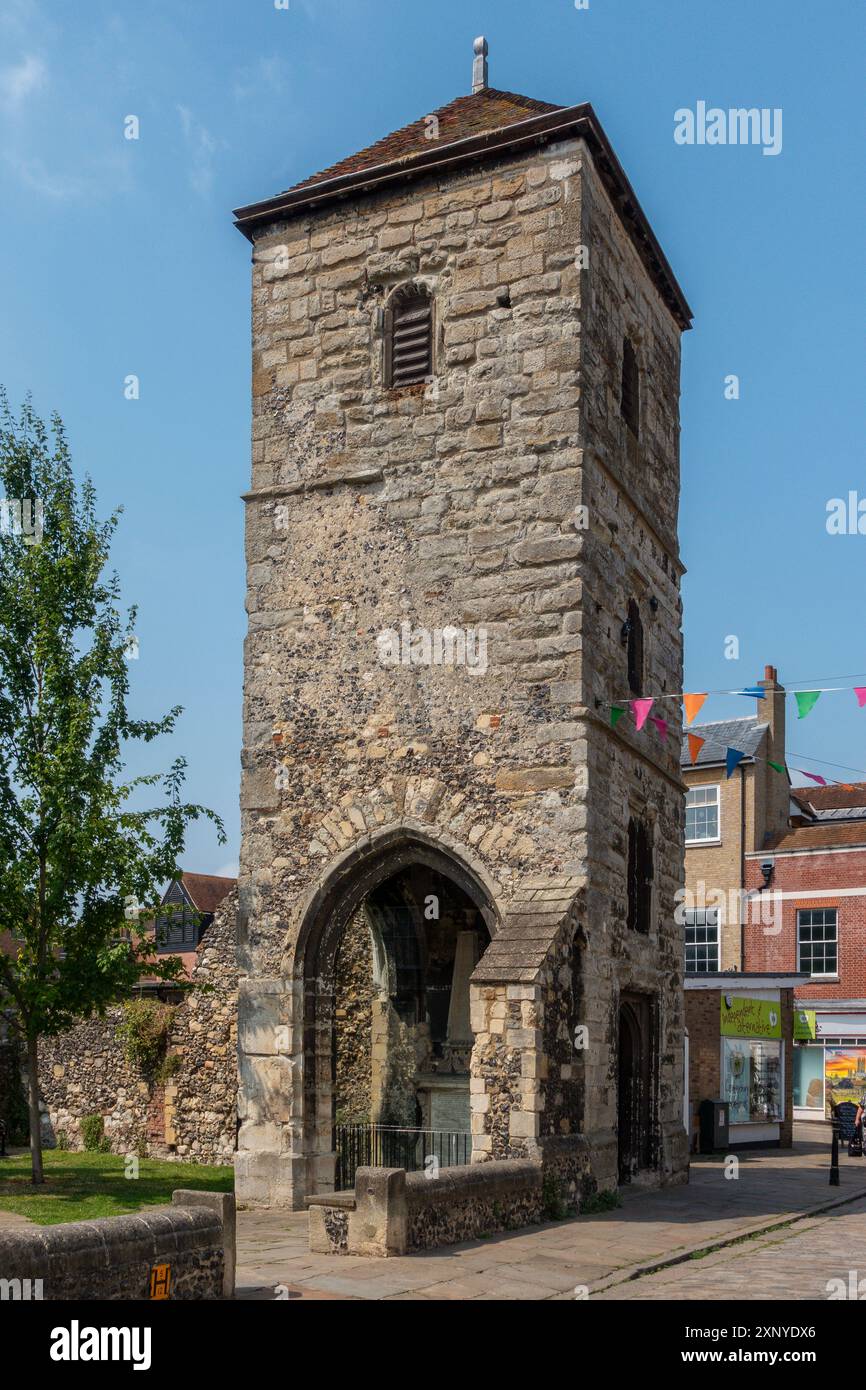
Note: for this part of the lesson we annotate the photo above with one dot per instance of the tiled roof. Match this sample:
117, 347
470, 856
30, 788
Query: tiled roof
820, 835
489, 124
474, 115
206, 891
745, 734
832, 798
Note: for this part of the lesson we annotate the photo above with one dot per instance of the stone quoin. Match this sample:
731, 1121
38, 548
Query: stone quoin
442, 380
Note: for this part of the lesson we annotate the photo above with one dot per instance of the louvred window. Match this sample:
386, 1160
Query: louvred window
409, 337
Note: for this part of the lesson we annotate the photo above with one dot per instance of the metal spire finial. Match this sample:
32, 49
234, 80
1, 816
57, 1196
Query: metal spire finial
479, 65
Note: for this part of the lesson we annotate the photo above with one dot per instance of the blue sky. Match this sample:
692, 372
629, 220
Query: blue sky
119, 257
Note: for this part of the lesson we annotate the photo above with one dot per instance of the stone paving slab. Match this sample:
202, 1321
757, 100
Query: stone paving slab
549, 1261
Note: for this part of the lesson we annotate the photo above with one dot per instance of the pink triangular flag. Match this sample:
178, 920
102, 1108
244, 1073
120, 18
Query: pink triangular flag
860, 692
662, 726
640, 709
813, 777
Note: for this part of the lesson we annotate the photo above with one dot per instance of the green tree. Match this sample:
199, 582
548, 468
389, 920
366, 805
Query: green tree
75, 852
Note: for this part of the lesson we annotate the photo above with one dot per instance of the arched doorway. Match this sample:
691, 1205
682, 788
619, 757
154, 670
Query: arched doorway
635, 1087
386, 955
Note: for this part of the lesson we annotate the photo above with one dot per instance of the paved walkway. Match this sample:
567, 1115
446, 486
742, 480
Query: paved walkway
794, 1264
543, 1262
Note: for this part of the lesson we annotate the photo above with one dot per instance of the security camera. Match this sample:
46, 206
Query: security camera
767, 866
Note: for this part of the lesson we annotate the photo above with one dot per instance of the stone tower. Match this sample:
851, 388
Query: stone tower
462, 549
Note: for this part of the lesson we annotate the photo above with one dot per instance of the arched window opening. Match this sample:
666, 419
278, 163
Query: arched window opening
409, 337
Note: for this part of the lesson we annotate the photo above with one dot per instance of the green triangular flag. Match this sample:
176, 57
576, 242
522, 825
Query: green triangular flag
806, 701
616, 714
777, 767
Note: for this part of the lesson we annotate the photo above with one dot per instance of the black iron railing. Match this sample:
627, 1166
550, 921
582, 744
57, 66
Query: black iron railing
386, 1146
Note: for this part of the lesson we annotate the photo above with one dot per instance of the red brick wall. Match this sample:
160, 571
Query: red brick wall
802, 874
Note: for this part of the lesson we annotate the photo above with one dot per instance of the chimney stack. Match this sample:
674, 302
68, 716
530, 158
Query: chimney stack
777, 785
479, 65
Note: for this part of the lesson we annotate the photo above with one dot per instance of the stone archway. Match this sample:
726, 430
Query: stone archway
421, 1035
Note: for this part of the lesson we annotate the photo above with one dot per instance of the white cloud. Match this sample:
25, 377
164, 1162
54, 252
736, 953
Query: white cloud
202, 147
33, 173
229, 870
18, 82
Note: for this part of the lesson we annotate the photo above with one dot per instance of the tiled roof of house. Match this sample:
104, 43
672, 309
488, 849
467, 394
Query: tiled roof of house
821, 835
474, 115
206, 891
833, 802
745, 734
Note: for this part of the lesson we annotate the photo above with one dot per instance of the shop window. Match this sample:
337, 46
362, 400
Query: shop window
809, 1078
702, 815
818, 941
702, 940
752, 1080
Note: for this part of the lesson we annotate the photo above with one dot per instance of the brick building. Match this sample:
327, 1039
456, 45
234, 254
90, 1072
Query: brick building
813, 879
462, 545
728, 819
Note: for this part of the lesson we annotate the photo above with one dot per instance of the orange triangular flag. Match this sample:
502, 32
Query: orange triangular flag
693, 704
695, 745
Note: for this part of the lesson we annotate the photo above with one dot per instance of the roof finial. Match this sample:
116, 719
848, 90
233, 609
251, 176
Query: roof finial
479, 65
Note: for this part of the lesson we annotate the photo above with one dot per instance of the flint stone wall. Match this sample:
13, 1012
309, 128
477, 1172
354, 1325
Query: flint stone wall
113, 1258
392, 1212
193, 1116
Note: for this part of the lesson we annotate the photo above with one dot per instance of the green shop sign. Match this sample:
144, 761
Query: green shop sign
805, 1025
750, 1018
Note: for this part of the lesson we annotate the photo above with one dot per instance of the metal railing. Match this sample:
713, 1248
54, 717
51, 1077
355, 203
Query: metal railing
387, 1146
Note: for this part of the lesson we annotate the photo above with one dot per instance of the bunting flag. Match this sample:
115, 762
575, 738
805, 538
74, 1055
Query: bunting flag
754, 692
813, 776
693, 704
640, 709
695, 746
777, 767
733, 756
806, 701
860, 692
661, 725
616, 714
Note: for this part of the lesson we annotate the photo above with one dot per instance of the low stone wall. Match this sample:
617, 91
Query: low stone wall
193, 1116
182, 1252
392, 1212
464, 1203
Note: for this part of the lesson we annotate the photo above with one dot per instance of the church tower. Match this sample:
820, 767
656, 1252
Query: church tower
458, 867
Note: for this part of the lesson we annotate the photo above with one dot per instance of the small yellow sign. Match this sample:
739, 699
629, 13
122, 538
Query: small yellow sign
160, 1281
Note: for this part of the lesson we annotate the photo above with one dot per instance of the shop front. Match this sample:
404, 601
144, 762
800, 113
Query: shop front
741, 1052
829, 1057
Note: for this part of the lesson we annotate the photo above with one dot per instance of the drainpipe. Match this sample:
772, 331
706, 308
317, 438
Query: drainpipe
742, 914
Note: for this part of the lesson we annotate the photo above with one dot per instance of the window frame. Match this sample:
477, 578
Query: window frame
704, 912
825, 974
705, 839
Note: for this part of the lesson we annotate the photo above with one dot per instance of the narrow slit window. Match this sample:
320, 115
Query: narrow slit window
409, 337
634, 648
630, 395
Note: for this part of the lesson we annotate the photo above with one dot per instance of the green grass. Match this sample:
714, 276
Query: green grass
81, 1186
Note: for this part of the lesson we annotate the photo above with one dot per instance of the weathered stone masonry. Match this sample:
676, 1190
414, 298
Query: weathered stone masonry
457, 503
193, 1116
